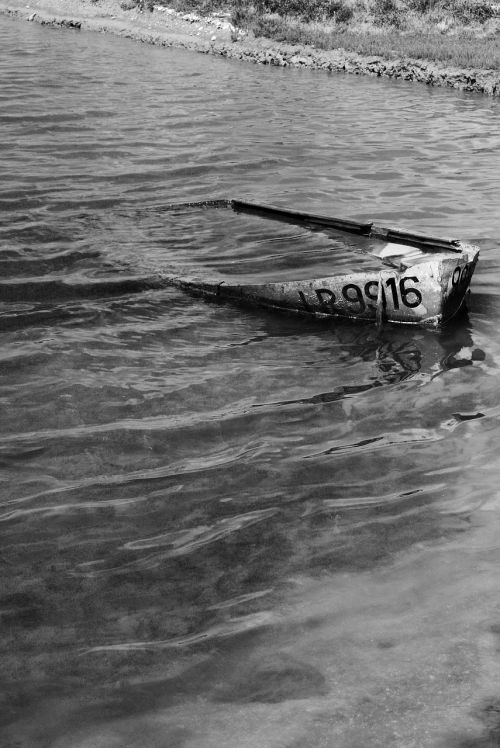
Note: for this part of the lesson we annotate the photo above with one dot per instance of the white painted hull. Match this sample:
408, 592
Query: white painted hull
428, 293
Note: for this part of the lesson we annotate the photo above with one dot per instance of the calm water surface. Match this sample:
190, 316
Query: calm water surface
224, 527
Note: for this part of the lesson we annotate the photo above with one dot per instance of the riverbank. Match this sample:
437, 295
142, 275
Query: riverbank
216, 35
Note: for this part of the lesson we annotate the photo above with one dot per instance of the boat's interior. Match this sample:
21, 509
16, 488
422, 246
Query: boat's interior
244, 242
394, 247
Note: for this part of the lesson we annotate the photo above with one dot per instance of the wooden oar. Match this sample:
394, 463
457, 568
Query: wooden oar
367, 228
299, 217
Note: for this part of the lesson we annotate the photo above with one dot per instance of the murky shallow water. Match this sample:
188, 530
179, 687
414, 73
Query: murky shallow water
224, 527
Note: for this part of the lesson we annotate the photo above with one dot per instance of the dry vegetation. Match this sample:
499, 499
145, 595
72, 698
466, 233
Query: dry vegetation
461, 33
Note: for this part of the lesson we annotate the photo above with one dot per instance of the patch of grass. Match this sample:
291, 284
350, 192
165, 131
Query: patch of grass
422, 6
387, 13
306, 10
207, 7
242, 11
139, 4
463, 51
389, 29
469, 11
242, 15
343, 14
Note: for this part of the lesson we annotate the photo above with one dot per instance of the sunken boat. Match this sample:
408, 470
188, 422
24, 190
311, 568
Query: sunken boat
415, 279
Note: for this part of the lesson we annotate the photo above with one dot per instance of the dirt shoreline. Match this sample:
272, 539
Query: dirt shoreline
167, 28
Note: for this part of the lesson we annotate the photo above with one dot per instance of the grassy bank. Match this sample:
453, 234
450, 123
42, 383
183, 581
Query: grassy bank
446, 43
458, 33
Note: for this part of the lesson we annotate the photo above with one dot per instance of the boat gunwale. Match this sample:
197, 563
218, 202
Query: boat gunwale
368, 229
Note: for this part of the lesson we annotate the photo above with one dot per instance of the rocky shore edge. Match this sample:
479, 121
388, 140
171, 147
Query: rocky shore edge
173, 29
432, 74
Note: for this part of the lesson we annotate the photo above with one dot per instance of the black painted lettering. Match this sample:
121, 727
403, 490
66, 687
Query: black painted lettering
369, 293
353, 295
410, 296
464, 276
330, 296
304, 301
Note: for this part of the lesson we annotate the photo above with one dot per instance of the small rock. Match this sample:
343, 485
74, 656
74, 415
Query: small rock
213, 39
32, 17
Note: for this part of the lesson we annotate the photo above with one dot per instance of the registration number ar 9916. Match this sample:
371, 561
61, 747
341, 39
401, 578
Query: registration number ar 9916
396, 292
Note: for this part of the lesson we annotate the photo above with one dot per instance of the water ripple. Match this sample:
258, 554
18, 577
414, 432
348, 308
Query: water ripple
178, 543
233, 627
167, 463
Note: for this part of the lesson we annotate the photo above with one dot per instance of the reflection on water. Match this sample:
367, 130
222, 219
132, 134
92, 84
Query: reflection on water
224, 526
